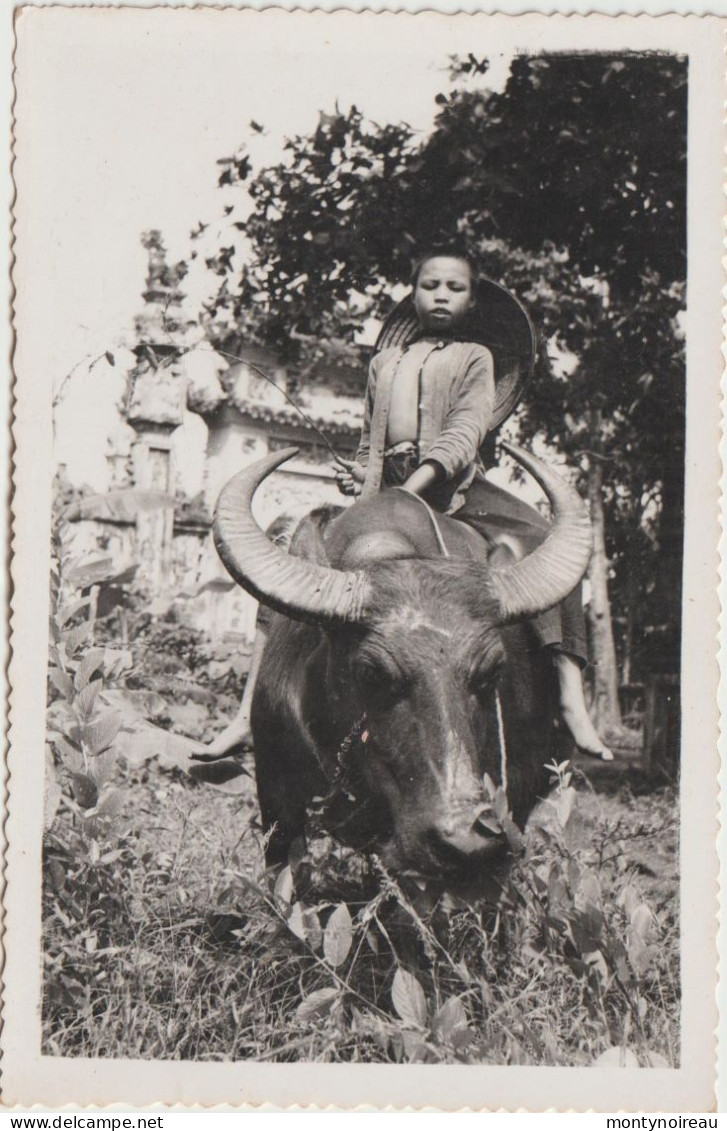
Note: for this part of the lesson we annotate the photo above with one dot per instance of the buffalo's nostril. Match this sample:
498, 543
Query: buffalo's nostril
454, 844
487, 826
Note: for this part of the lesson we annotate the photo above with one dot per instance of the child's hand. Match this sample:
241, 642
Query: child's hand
349, 476
346, 483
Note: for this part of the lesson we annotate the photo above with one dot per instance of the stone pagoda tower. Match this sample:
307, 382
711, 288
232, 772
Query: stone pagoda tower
155, 403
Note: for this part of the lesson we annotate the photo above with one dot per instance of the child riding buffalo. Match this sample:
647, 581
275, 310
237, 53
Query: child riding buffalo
432, 398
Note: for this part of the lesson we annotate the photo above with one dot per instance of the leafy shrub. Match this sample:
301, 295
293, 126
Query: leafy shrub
566, 968
84, 850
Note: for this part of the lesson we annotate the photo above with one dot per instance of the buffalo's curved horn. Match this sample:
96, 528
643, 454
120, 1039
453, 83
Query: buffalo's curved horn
552, 571
300, 589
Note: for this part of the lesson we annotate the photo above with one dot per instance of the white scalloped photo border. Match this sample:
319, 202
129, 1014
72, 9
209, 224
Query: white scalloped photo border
29, 1078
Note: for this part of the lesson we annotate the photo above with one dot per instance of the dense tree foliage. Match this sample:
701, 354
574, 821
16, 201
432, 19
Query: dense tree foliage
569, 186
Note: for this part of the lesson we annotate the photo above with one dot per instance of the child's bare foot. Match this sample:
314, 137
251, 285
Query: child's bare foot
585, 734
235, 738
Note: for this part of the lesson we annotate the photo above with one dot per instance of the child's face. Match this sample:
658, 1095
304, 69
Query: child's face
443, 293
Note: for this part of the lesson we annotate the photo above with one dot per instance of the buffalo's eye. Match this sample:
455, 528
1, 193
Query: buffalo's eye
378, 685
484, 681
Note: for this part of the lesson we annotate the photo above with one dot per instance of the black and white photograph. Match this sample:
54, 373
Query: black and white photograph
364, 654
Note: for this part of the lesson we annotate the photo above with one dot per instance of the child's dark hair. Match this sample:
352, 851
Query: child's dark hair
448, 251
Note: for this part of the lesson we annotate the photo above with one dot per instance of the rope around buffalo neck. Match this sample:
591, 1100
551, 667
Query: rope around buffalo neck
503, 745
432, 518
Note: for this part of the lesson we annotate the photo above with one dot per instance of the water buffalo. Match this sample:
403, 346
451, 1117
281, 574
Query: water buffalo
395, 677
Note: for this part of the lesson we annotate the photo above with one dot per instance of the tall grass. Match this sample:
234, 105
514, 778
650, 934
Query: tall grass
164, 936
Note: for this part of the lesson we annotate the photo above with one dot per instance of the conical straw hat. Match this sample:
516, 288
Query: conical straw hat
497, 320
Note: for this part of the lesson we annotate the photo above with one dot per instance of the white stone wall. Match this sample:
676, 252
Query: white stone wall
296, 489
202, 454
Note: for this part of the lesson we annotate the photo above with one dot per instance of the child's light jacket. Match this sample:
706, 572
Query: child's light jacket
456, 395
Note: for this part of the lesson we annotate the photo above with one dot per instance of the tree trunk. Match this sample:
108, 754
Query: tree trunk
605, 708
628, 644
671, 541
632, 596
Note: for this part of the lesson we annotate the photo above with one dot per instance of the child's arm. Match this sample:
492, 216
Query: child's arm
425, 476
468, 418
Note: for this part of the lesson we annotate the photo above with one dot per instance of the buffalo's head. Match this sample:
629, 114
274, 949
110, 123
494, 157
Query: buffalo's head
416, 646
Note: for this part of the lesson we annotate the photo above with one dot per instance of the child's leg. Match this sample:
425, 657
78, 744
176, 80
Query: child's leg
573, 708
561, 630
237, 733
